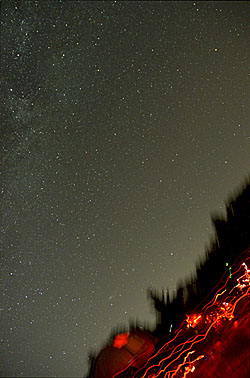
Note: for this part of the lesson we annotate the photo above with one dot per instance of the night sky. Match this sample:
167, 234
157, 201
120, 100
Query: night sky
123, 126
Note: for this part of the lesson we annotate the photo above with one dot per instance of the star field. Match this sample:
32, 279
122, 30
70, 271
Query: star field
123, 125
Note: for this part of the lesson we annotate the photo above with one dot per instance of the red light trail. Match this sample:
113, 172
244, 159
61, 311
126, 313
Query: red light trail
174, 357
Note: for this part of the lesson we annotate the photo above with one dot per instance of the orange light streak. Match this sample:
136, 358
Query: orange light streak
215, 313
193, 320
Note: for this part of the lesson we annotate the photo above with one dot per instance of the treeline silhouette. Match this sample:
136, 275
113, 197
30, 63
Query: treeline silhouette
231, 238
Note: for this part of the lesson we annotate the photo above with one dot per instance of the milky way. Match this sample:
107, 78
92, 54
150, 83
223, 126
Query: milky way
123, 125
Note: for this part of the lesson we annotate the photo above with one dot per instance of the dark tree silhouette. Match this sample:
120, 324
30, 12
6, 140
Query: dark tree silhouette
231, 239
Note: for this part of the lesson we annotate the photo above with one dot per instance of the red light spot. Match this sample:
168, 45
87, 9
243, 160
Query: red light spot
120, 340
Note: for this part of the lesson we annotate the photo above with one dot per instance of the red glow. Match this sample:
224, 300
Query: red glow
177, 358
120, 340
